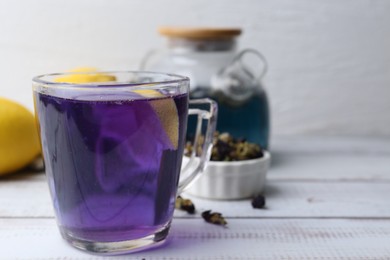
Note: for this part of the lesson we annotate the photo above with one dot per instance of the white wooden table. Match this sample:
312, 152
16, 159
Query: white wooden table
327, 198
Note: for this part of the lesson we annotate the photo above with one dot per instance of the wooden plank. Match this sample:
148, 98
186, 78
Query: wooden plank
193, 239
30, 198
25, 195
308, 199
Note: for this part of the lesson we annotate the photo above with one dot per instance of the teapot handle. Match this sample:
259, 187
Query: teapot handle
239, 60
145, 60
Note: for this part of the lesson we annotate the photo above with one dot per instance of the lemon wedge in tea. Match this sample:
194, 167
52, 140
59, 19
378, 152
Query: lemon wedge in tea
166, 110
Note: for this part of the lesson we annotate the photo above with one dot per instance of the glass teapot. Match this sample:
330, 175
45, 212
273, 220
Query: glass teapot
216, 70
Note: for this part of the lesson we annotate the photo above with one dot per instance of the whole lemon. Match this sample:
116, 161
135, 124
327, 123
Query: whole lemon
19, 141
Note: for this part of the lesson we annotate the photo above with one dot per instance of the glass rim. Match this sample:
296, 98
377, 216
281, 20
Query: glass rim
171, 79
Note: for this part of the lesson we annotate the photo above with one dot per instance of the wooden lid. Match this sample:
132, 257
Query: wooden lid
199, 33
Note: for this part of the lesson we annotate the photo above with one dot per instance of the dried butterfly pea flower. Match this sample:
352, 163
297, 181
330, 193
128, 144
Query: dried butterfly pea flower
221, 151
258, 202
227, 148
214, 218
225, 137
185, 204
245, 151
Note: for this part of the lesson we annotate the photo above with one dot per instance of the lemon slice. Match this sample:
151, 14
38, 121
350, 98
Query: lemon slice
89, 77
19, 141
166, 111
84, 69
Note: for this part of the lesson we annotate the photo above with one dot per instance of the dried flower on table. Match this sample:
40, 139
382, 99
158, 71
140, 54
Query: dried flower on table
185, 204
214, 218
258, 202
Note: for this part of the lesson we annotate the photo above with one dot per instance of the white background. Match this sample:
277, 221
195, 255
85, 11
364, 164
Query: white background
329, 59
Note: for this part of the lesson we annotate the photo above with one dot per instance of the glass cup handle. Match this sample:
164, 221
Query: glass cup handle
197, 164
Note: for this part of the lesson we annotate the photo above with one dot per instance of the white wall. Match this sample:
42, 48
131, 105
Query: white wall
329, 59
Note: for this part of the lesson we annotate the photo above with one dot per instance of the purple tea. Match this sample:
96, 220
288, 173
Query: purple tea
113, 165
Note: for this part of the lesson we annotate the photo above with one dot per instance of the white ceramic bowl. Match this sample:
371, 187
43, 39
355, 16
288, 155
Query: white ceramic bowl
232, 180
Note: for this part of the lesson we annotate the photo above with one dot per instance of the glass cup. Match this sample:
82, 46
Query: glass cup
113, 147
